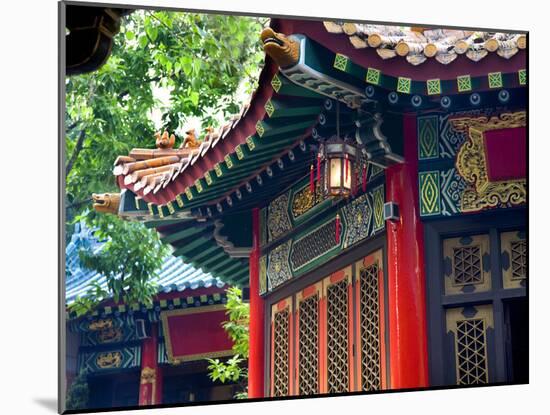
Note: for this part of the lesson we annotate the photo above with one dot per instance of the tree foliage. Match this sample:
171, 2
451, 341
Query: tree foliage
165, 67
129, 260
78, 394
199, 63
237, 327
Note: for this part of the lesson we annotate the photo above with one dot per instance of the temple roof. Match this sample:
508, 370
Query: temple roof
417, 44
174, 274
147, 171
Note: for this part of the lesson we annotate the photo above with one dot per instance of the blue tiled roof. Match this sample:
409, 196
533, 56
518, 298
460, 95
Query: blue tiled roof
174, 275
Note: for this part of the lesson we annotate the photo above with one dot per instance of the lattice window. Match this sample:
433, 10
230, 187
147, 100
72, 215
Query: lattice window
519, 259
370, 328
308, 356
467, 265
313, 245
281, 353
337, 337
513, 259
471, 351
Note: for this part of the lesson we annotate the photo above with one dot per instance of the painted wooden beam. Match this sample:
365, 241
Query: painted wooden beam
182, 234
281, 85
278, 108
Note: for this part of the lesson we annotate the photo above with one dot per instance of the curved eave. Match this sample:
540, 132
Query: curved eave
244, 128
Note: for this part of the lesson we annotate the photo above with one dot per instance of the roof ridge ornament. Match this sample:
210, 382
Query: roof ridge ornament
420, 44
284, 50
164, 141
106, 202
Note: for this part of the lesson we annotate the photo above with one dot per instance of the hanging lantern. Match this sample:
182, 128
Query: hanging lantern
340, 164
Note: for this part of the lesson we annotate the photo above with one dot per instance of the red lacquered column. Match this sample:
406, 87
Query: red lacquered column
256, 346
150, 385
406, 278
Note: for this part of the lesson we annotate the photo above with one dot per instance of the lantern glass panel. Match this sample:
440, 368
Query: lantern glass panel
340, 183
347, 175
335, 175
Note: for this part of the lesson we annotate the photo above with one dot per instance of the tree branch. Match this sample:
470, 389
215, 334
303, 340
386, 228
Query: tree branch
72, 126
154, 79
76, 151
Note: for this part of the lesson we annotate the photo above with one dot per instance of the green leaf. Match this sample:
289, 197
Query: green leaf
152, 32
194, 96
130, 35
143, 41
186, 64
197, 66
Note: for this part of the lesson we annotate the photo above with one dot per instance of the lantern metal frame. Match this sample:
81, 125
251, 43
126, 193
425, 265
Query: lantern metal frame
341, 155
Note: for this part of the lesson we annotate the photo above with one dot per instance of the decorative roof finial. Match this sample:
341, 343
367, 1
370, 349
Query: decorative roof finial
106, 202
165, 141
285, 51
190, 140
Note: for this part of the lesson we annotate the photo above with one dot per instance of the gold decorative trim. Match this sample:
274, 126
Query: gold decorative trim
263, 274
471, 164
175, 360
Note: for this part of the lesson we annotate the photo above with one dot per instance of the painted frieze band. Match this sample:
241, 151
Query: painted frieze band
310, 247
480, 158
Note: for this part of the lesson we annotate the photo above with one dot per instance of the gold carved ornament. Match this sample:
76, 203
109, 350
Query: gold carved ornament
106, 202
304, 200
471, 164
109, 360
148, 375
110, 335
100, 324
284, 50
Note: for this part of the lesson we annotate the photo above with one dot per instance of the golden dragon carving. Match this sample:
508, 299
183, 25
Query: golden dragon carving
284, 50
106, 202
